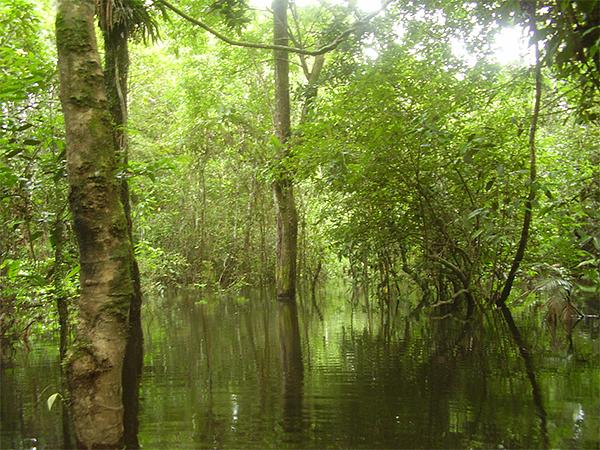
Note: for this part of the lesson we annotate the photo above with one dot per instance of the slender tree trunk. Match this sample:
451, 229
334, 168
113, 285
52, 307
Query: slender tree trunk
61, 300
116, 72
96, 362
312, 86
116, 75
283, 189
57, 240
501, 300
250, 213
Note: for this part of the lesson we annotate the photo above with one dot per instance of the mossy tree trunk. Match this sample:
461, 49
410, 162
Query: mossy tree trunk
283, 188
96, 362
116, 72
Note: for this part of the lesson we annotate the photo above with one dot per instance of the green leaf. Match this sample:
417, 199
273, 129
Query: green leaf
589, 262
275, 142
477, 233
52, 399
476, 212
13, 152
72, 272
12, 268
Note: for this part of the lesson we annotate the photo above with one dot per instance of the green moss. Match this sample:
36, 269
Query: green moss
118, 307
85, 94
100, 129
72, 34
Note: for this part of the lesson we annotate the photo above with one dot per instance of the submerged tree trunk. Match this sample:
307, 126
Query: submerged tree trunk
95, 364
283, 189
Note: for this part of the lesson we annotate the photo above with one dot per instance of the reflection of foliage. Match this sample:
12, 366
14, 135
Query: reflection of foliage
461, 387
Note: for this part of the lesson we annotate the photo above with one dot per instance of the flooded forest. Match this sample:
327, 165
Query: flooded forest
299, 224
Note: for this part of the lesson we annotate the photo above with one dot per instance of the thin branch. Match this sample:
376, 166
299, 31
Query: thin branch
320, 51
298, 42
447, 264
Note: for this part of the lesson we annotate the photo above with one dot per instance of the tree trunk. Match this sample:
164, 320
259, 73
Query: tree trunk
529, 203
57, 241
116, 74
61, 299
116, 71
283, 189
96, 362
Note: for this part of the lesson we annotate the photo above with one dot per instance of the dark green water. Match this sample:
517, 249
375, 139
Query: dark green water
235, 374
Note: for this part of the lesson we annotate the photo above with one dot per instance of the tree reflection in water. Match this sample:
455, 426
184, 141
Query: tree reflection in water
236, 373
293, 370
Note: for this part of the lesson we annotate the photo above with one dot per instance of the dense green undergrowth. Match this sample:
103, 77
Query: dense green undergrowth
411, 163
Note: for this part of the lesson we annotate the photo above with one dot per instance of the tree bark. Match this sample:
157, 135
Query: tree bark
96, 361
283, 189
116, 72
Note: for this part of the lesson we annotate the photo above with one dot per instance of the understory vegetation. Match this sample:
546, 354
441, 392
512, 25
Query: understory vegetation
414, 154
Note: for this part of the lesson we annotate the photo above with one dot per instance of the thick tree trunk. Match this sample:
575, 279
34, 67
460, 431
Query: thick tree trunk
96, 362
283, 189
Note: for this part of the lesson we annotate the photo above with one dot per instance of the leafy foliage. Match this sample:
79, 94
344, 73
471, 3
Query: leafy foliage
410, 158
37, 252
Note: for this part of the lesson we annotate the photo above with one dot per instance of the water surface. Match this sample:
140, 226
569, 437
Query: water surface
242, 373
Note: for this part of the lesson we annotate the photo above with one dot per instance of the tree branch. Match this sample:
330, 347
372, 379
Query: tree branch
320, 51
